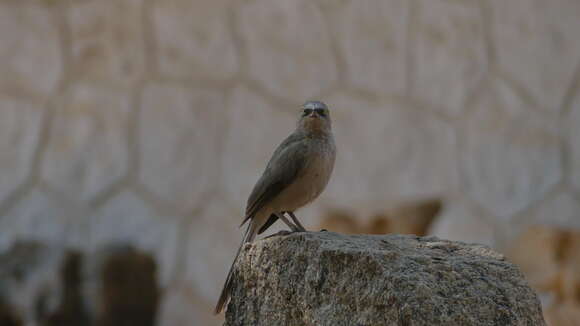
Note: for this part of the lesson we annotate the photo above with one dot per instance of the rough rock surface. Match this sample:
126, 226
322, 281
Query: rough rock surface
331, 279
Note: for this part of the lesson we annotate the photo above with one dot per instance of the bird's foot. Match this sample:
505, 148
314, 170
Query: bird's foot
299, 229
280, 233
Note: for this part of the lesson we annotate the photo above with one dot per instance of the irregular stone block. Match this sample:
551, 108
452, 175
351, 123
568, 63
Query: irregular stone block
87, 151
180, 138
509, 157
330, 279
255, 129
372, 37
573, 140
107, 40
533, 33
30, 58
390, 150
127, 219
450, 54
194, 40
37, 217
20, 125
289, 49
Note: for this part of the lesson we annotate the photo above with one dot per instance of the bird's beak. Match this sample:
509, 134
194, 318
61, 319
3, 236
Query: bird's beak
314, 114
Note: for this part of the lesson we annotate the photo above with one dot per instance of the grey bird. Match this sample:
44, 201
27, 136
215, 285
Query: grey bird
297, 173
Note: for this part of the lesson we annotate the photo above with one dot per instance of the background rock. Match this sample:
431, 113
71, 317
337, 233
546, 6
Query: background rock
55, 286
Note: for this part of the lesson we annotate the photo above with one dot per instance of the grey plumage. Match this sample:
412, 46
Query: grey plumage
296, 174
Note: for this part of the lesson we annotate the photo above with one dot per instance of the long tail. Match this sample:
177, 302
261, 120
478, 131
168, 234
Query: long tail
249, 236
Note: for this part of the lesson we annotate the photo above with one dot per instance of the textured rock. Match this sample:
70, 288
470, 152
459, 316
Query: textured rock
30, 55
194, 35
108, 42
87, 151
450, 53
332, 279
509, 158
181, 132
19, 133
289, 50
526, 32
372, 36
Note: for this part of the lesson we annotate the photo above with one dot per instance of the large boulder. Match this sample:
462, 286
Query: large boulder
326, 278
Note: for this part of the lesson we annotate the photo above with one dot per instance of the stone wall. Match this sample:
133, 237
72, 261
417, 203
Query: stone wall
148, 121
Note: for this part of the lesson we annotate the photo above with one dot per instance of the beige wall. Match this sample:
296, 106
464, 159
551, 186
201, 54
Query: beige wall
149, 121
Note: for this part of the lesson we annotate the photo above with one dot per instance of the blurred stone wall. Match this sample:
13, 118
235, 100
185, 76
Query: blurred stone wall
149, 121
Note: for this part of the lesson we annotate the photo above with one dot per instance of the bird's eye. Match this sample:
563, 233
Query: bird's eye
306, 112
321, 112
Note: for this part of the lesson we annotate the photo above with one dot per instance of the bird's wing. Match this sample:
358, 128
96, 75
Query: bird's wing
285, 165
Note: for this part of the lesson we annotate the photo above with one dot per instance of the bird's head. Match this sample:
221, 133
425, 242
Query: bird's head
314, 117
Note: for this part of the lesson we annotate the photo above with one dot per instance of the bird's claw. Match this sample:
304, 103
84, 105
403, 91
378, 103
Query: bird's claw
280, 233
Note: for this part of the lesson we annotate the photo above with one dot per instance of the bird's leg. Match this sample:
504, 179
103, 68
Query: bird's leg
301, 228
294, 228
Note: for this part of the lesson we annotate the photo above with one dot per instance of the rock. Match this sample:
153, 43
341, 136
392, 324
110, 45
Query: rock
8, 317
50, 285
331, 279
127, 291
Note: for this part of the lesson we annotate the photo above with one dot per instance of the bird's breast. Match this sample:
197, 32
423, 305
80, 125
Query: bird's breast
312, 180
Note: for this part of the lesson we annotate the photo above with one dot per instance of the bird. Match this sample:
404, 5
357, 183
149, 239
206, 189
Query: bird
297, 173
